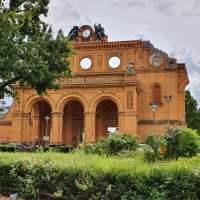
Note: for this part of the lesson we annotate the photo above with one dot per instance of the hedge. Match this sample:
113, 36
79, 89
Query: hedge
88, 177
62, 148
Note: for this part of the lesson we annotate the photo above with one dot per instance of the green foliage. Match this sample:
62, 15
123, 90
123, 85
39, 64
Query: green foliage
7, 148
62, 148
30, 54
79, 176
26, 148
181, 143
114, 145
155, 143
192, 112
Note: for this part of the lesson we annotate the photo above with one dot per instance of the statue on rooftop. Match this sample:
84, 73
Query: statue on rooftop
99, 32
73, 34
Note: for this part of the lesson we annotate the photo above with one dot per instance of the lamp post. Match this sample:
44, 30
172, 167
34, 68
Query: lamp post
168, 99
154, 107
46, 136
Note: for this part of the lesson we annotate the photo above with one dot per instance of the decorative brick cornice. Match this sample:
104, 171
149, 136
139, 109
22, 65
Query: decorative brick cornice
102, 80
108, 45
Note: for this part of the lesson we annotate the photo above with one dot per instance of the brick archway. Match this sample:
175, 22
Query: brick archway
63, 101
40, 122
35, 99
115, 121
102, 97
106, 118
73, 123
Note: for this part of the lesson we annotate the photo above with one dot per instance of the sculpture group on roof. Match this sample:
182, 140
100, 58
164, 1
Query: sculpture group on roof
99, 32
73, 34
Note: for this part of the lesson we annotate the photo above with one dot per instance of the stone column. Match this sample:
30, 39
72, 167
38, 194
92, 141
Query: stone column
56, 127
89, 127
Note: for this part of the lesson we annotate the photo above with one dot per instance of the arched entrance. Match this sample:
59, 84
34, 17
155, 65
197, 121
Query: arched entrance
73, 123
41, 122
106, 118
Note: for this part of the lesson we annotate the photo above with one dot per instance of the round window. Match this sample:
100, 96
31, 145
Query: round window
114, 62
86, 63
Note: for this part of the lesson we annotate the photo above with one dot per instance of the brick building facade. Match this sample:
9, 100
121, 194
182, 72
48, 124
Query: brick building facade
114, 86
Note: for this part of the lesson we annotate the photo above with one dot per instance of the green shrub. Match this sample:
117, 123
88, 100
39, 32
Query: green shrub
156, 143
8, 148
91, 177
113, 146
61, 148
181, 143
149, 154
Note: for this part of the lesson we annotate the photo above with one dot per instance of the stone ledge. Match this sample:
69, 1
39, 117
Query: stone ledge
5, 123
159, 122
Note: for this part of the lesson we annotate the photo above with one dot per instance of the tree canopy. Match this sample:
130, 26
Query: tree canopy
192, 112
30, 54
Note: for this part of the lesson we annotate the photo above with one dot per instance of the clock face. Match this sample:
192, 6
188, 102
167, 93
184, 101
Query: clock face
86, 33
156, 59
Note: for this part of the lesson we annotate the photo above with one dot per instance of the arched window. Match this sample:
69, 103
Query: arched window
156, 94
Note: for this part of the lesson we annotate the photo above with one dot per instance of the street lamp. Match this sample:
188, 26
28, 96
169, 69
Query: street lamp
46, 136
168, 99
154, 108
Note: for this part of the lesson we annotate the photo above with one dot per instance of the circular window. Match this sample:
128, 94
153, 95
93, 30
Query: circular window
86, 63
114, 62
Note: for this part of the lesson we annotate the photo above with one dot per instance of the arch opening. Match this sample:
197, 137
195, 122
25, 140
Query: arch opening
41, 122
73, 123
106, 119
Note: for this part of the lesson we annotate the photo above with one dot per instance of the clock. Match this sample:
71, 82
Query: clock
86, 33
156, 59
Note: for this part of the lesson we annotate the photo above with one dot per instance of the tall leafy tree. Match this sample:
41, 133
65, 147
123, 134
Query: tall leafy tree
30, 54
192, 112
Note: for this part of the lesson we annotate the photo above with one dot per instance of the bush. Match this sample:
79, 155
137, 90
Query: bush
8, 148
110, 178
181, 143
156, 143
61, 148
149, 154
113, 146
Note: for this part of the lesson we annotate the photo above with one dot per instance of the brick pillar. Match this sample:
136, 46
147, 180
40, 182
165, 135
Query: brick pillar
89, 127
128, 122
56, 129
25, 127
121, 122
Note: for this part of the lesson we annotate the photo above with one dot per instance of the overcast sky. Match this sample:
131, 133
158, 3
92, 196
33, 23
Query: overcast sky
171, 25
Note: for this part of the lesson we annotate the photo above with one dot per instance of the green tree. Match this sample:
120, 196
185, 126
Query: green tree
192, 112
30, 54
